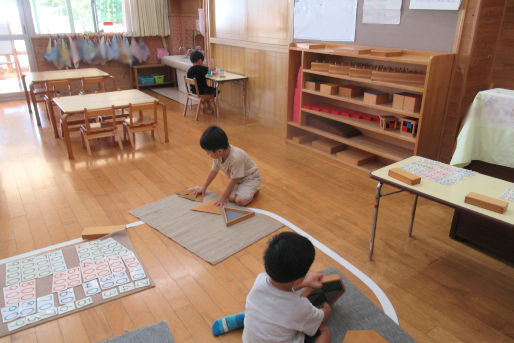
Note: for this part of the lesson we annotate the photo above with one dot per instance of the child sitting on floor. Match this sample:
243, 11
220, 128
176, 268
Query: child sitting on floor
244, 175
274, 312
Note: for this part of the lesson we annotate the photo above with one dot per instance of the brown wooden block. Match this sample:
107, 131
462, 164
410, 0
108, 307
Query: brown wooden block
360, 73
331, 290
386, 52
405, 78
311, 85
350, 91
320, 66
352, 50
303, 139
338, 69
398, 99
375, 97
412, 103
305, 45
363, 336
208, 207
328, 146
487, 202
355, 156
328, 88
94, 232
190, 195
404, 176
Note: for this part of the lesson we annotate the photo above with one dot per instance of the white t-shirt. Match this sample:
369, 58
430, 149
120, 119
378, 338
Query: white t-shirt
273, 315
238, 165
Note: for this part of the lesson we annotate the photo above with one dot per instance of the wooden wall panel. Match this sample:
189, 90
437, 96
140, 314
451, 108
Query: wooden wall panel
503, 68
267, 85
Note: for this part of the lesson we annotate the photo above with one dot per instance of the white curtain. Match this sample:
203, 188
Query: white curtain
146, 17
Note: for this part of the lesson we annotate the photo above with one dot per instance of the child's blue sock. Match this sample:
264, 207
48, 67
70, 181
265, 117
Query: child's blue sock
228, 323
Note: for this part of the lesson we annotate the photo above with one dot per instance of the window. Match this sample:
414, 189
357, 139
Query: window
77, 16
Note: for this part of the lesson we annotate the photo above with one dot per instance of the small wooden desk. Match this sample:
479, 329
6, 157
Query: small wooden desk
229, 77
452, 196
54, 75
69, 105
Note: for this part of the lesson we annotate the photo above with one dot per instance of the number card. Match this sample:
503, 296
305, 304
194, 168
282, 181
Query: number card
16, 324
27, 308
49, 313
10, 313
91, 287
109, 293
12, 273
142, 283
66, 308
127, 287
45, 303
84, 302
14, 294
107, 282
33, 318
67, 296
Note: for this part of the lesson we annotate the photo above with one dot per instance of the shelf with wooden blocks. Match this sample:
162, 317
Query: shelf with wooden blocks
404, 90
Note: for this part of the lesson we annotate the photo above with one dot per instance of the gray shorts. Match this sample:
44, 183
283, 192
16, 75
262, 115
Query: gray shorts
247, 188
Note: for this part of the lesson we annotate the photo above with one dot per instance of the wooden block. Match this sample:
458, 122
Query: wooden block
405, 78
355, 156
94, 232
328, 88
338, 69
388, 123
386, 52
305, 45
398, 99
487, 202
208, 207
409, 126
404, 176
360, 73
320, 66
235, 215
190, 195
375, 97
331, 290
303, 139
363, 336
352, 50
311, 85
328, 146
350, 91
412, 103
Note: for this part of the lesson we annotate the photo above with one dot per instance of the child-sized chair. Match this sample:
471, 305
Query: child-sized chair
55, 89
203, 99
93, 130
134, 124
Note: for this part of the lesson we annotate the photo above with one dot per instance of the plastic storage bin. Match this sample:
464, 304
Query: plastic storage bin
146, 80
159, 78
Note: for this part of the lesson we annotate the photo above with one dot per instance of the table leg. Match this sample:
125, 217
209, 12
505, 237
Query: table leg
34, 103
52, 118
413, 214
165, 123
216, 85
244, 99
66, 134
375, 216
25, 90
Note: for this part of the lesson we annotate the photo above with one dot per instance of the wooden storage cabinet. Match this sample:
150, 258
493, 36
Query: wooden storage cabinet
425, 74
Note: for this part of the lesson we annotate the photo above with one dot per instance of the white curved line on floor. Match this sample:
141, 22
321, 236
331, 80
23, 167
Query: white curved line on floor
386, 304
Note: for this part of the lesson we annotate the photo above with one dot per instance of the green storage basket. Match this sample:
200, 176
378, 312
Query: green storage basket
159, 78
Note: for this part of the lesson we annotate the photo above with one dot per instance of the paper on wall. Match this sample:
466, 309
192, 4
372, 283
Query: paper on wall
382, 11
434, 5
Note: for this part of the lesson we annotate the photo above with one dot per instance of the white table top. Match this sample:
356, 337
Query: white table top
227, 77
66, 74
77, 103
453, 195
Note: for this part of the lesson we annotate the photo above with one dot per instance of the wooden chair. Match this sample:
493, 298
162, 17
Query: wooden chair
202, 99
97, 82
131, 125
93, 130
55, 89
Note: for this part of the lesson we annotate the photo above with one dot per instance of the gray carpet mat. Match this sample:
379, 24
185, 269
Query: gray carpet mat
155, 333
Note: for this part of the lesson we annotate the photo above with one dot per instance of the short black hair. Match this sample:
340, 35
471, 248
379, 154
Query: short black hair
288, 257
213, 139
196, 55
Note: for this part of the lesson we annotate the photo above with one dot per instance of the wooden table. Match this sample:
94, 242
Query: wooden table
69, 105
54, 75
229, 77
450, 195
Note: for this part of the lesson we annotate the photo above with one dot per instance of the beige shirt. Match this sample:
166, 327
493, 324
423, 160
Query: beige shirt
238, 165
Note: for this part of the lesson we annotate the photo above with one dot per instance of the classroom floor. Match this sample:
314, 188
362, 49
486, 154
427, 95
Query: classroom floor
442, 290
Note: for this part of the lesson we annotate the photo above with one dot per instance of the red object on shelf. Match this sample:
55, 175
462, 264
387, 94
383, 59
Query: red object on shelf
296, 100
334, 112
316, 108
355, 115
366, 117
344, 113
108, 23
376, 119
324, 109
307, 107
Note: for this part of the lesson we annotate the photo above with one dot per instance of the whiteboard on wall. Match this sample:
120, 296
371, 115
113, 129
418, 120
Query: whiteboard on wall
327, 20
431, 30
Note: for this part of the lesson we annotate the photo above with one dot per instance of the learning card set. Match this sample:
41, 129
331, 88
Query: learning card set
508, 194
40, 288
438, 172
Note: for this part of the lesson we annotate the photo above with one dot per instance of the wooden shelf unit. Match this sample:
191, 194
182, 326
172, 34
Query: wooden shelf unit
388, 145
152, 69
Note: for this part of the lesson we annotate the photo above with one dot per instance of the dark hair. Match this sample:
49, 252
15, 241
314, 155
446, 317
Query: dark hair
195, 56
288, 257
213, 139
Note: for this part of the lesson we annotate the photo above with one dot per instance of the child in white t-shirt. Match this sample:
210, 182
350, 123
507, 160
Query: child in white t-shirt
274, 311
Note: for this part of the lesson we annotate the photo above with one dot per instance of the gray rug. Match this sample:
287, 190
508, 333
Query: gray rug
204, 234
155, 333
354, 311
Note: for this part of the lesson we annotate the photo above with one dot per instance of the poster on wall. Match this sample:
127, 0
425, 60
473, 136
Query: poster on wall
451, 5
325, 20
381, 11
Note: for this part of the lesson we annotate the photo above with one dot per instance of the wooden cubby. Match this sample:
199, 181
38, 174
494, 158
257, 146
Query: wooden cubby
387, 145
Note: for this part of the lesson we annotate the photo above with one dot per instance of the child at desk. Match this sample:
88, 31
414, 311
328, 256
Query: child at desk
274, 312
198, 71
244, 175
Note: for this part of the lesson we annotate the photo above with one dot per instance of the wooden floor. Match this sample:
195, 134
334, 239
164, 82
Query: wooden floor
443, 291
